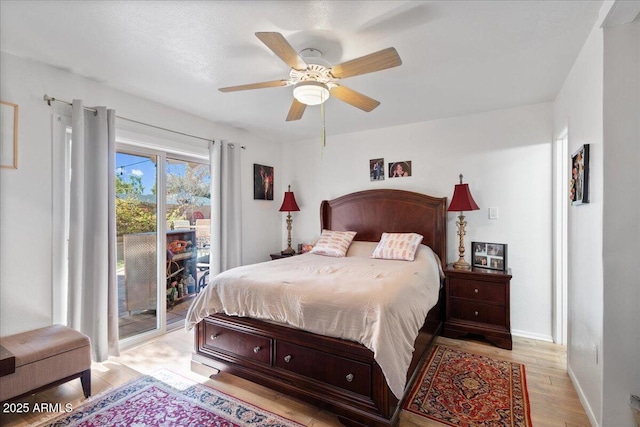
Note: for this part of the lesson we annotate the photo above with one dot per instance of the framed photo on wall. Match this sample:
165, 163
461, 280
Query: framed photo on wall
492, 256
376, 169
400, 169
579, 179
262, 182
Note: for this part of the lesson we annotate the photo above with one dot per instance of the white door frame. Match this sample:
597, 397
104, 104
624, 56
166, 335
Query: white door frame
560, 212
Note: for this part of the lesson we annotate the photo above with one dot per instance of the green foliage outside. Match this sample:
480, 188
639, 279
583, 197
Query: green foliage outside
135, 216
132, 216
132, 188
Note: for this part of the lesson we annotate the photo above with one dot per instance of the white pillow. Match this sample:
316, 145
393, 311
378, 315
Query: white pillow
333, 243
402, 246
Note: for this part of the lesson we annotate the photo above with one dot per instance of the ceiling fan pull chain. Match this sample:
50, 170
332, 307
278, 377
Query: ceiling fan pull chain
324, 134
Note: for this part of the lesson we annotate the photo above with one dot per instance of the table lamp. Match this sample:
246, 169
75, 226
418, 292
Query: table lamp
289, 205
462, 201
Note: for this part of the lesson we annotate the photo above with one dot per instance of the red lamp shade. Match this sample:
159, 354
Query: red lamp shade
462, 199
289, 203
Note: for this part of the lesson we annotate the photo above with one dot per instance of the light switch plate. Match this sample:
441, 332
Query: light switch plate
493, 213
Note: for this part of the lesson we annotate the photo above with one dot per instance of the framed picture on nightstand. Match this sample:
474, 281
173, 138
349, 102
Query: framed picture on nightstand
492, 256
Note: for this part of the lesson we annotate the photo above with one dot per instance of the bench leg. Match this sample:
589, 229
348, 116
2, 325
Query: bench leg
85, 379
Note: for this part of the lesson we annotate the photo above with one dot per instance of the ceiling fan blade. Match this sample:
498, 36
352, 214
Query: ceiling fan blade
281, 47
296, 110
381, 60
273, 83
354, 98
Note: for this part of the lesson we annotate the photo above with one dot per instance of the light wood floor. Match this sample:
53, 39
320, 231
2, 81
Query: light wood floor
554, 401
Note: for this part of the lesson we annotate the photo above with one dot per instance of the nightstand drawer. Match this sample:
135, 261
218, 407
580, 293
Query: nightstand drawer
478, 290
477, 312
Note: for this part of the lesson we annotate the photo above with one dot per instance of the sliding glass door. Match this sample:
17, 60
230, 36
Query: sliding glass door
163, 221
188, 213
137, 242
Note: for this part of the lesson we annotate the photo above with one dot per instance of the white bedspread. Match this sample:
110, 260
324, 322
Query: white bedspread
381, 304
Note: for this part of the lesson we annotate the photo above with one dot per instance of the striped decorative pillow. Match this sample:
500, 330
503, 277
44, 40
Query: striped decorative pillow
402, 246
333, 243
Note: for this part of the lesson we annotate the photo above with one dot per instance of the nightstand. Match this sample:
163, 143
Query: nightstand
478, 303
280, 255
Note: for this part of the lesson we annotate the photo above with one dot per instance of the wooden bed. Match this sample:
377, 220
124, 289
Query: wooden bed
339, 375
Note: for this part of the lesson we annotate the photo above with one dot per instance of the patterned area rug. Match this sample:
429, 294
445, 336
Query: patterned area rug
462, 389
167, 399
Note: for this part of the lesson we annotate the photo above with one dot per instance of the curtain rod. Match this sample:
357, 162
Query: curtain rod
48, 99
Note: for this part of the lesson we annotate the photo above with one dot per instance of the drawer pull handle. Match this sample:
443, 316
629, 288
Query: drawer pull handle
287, 358
214, 336
476, 313
349, 378
475, 290
257, 349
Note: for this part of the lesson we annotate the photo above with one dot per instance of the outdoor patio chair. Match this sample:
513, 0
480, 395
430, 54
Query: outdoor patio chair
202, 265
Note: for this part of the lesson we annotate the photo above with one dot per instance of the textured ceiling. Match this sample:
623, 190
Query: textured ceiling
459, 57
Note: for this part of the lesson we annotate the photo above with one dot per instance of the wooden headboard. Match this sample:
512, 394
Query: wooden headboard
372, 212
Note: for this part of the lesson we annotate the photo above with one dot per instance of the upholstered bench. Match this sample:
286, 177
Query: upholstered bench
43, 358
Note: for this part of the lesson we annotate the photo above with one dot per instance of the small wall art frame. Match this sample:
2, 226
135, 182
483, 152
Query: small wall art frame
376, 169
262, 182
492, 256
8, 135
579, 179
400, 169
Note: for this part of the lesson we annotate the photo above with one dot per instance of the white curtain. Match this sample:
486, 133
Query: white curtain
92, 287
226, 207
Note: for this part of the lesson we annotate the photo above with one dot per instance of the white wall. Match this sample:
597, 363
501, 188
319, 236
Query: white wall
600, 104
505, 156
26, 193
579, 108
621, 337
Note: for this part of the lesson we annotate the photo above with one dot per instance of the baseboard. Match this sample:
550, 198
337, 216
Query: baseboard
531, 335
583, 399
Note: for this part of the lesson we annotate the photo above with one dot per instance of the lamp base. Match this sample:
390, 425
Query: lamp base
289, 250
461, 264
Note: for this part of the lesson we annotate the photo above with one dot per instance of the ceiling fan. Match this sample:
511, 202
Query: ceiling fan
314, 80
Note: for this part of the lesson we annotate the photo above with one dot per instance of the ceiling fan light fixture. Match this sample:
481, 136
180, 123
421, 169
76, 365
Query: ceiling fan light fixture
311, 92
